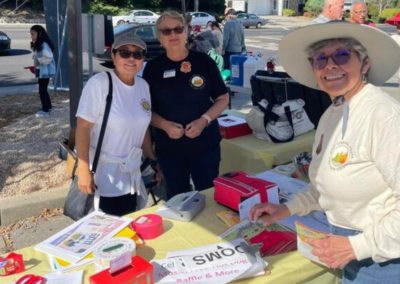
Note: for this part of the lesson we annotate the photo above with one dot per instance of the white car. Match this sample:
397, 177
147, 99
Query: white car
138, 16
201, 18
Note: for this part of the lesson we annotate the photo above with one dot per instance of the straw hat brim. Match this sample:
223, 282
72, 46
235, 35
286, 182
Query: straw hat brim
382, 50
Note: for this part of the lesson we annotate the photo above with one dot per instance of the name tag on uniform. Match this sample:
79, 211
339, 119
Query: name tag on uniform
169, 73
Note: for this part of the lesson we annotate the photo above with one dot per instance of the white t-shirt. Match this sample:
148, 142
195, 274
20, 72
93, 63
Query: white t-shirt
128, 121
356, 180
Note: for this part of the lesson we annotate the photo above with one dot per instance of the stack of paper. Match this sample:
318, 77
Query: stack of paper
218, 263
74, 245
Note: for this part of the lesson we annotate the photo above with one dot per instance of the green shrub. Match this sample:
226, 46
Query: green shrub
289, 12
100, 8
389, 13
314, 6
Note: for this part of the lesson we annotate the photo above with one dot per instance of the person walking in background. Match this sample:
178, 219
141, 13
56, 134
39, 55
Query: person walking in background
396, 22
359, 13
216, 30
233, 38
45, 67
333, 11
117, 184
188, 95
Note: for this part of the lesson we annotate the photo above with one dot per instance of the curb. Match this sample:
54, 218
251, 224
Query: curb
17, 208
20, 20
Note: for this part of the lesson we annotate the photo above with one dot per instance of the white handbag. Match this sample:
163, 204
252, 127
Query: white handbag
279, 123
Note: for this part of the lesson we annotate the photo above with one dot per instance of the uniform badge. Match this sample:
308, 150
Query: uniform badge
145, 105
186, 67
197, 82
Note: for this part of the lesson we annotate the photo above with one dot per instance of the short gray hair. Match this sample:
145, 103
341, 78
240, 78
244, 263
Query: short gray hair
173, 15
350, 43
358, 2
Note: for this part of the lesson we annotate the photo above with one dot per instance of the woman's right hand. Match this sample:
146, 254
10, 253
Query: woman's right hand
276, 212
86, 182
174, 130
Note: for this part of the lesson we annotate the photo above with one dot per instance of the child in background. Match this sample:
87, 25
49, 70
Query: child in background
45, 69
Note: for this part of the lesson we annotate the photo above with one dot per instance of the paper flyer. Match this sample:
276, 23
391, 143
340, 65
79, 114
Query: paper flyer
303, 248
79, 239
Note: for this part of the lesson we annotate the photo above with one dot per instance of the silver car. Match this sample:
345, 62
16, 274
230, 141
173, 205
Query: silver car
251, 20
201, 18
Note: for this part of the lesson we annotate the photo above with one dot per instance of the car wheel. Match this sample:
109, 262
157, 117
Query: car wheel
120, 22
258, 26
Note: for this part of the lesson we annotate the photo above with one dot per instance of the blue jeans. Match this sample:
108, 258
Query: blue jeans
178, 171
367, 271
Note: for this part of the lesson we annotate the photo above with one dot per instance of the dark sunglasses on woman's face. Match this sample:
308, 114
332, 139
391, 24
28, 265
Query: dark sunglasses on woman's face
177, 30
340, 57
125, 54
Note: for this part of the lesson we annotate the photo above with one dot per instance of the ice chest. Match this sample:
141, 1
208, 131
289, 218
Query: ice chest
233, 188
139, 272
231, 127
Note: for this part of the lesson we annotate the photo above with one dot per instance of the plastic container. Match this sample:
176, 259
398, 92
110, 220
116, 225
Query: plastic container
250, 67
237, 62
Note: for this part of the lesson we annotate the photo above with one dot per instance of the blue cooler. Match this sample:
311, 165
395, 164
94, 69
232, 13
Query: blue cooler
237, 69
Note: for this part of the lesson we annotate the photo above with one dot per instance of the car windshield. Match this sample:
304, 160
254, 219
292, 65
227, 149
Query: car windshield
121, 28
127, 13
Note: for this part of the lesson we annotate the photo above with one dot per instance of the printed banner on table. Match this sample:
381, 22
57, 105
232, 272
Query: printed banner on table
218, 263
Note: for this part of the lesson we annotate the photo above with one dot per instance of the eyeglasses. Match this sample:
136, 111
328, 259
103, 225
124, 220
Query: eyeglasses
361, 12
125, 54
177, 30
340, 57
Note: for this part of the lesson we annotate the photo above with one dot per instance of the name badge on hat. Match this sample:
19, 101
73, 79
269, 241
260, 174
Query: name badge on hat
169, 73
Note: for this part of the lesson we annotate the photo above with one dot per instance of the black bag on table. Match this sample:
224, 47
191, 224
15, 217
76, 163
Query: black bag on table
78, 204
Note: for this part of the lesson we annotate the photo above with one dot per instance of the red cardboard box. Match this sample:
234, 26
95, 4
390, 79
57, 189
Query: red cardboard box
139, 272
231, 127
233, 188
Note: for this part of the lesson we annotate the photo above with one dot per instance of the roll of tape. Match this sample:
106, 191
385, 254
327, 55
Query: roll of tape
148, 226
110, 249
285, 170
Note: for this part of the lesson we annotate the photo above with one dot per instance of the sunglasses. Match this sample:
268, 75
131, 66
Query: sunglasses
340, 57
125, 54
177, 30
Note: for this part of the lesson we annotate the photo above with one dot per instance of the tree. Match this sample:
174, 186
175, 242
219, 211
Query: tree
382, 4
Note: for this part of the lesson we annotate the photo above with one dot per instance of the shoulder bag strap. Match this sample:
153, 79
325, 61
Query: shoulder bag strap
104, 124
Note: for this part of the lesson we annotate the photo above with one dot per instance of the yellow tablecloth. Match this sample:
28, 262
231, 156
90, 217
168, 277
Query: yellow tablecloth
287, 268
250, 154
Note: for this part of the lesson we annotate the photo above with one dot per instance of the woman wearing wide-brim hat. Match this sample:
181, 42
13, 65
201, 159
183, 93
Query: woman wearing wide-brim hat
355, 169
396, 22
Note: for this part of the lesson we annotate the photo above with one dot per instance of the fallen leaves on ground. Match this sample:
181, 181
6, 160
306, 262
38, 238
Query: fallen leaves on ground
27, 223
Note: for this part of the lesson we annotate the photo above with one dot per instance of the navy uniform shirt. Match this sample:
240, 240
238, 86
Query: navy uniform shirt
182, 91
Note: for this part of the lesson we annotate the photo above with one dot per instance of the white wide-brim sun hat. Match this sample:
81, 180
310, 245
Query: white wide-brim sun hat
382, 50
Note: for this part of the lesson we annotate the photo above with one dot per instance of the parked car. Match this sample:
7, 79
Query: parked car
201, 18
139, 16
251, 20
5, 42
147, 32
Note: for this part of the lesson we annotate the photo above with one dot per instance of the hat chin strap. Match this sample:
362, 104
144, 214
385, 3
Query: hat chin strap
340, 100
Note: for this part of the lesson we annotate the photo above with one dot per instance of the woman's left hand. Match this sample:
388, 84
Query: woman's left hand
335, 251
158, 175
195, 128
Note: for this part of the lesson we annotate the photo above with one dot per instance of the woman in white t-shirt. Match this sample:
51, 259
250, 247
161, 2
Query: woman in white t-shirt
117, 184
